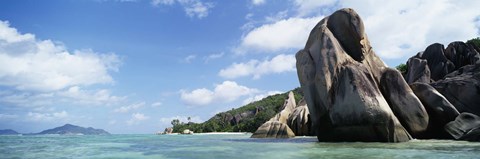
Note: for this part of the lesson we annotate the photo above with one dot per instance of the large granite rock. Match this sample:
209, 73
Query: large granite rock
439, 109
341, 79
465, 127
462, 88
273, 129
418, 71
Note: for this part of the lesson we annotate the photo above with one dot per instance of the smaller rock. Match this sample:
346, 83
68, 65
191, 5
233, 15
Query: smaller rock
273, 129
418, 71
465, 127
299, 121
168, 130
187, 132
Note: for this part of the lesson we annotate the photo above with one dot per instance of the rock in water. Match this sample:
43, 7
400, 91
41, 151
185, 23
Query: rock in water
299, 121
273, 129
465, 127
341, 76
437, 62
462, 88
440, 110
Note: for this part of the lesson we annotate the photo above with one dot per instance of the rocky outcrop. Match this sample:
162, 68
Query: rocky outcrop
465, 127
461, 54
299, 121
462, 88
347, 87
418, 71
439, 109
168, 130
437, 62
287, 108
295, 119
273, 129
187, 132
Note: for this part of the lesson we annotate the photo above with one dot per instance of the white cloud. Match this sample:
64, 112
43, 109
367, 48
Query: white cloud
160, 2
258, 2
260, 97
213, 56
278, 64
126, 109
228, 91
99, 97
157, 104
291, 33
8, 116
46, 117
400, 29
27, 63
137, 118
184, 119
306, 7
193, 8
189, 58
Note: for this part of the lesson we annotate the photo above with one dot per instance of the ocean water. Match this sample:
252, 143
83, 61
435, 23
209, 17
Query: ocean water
200, 146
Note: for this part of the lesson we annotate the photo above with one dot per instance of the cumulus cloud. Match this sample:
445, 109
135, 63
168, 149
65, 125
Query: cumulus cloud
193, 8
290, 33
260, 97
27, 63
137, 118
227, 91
126, 109
45, 117
278, 64
399, 28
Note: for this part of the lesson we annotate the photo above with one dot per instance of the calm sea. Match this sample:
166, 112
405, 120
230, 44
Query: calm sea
222, 146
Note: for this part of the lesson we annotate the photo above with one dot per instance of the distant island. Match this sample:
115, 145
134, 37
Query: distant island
67, 129
8, 132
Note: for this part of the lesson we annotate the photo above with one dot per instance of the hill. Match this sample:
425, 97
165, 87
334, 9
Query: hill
243, 119
8, 132
69, 129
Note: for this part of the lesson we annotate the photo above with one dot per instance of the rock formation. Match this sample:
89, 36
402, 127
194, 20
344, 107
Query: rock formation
290, 117
273, 129
419, 71
465, 127
347, 87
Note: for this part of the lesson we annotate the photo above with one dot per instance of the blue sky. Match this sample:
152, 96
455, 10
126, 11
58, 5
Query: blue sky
131, 66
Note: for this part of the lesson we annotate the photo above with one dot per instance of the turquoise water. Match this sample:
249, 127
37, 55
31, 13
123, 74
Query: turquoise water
222, 146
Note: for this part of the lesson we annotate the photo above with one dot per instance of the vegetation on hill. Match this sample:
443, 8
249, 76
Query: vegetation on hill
475, 41
402, 68
244, 119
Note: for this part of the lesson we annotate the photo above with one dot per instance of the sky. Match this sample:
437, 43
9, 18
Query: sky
132, 66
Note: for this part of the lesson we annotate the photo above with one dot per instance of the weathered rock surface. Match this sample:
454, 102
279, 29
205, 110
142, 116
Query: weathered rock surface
403, 102
462, 88
439, 109
341, 79
273, 129
299, 121
437, 62
168, 130
288, 106
461, 54
418, 71
465, 127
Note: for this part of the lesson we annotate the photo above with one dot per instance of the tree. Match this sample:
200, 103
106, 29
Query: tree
175, 122
402, 68
474, 41
189, 119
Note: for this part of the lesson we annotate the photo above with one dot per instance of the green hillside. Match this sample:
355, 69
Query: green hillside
244, 119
